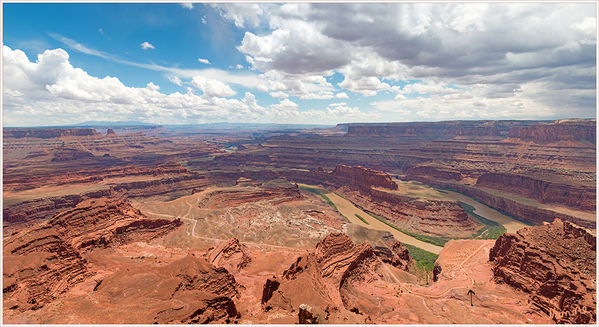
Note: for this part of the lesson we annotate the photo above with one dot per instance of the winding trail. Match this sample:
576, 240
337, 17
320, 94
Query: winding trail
193, 234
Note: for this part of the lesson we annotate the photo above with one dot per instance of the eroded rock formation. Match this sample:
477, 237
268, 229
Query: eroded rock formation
231, 255
45, 261
363, 178
46, 133
70, 154
432, 217
187, 291
275, 192
330, 281
576, 196
564, 130
556, 264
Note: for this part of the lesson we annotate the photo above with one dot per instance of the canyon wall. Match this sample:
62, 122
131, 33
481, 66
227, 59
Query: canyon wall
363, 178
427, 217
576, 196
46, 260
556, 264
43, 208
565, 130
46, 133
516, 209
436, 130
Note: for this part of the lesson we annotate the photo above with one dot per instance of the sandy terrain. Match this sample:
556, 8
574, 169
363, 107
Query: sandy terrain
350, 211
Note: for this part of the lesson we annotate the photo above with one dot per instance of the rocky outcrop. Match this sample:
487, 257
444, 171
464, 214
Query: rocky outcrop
363, 178
436, 130
70, 154
564, 130
436, 172
188, 290
306, 315
556, 264
271, 285
395, 253
328, 280
575, 196
230, 254
46, 133
46, 260
436, 271
110, 132
430, 217
104, 222
37, 210
205, 291
275, 192
385, 246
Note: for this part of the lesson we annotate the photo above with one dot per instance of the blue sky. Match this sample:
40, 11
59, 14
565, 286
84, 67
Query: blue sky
296, 63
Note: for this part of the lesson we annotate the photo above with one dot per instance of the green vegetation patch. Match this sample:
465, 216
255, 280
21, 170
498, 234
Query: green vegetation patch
362, 219
424, 259
439, 241
492, 230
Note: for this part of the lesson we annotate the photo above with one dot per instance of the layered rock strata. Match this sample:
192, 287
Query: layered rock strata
46, 133
556, 264
564, 130
430, 217
576, 196
230, 254
363, 178
328, 282
46, 260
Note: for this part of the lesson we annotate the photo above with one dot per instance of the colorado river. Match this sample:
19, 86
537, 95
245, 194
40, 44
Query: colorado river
510, 224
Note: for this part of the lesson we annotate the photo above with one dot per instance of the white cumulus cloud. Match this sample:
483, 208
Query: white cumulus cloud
204, 61
50, 89
212, 87
146, 45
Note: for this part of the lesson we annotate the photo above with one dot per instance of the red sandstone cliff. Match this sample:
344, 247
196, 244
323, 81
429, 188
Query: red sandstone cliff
436, 130
48, 132
364, 178
565, 130
580, 197
230, 254
328, 283
519, 210
430, 217
556, 264
44, 261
